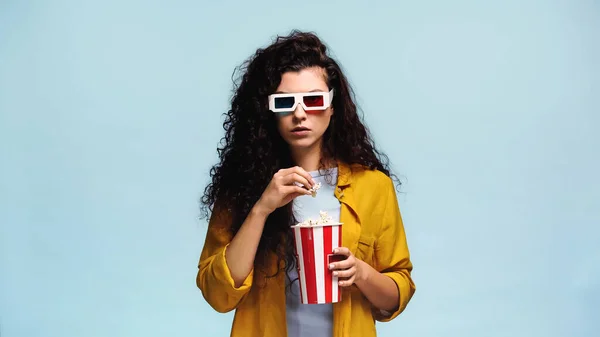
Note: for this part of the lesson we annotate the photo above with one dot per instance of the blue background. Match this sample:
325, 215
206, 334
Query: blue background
110, 113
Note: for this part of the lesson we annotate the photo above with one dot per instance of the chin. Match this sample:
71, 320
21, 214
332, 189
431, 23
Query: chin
301, 143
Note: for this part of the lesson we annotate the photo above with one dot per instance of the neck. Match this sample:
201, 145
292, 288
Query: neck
308, 158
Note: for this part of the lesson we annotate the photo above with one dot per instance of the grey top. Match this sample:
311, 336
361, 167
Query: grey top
314, 320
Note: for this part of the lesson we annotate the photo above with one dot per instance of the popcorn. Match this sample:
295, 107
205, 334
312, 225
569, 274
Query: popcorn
313, 190
324, 219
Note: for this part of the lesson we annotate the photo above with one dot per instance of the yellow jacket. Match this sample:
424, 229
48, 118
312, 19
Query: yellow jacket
372, 229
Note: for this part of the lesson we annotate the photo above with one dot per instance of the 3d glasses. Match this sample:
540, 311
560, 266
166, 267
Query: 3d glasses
310, 101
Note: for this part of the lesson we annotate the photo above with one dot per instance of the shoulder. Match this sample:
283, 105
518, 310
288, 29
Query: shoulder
370, 189
365, 178
372, 195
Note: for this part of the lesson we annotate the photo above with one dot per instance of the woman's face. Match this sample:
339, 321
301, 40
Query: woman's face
303, 130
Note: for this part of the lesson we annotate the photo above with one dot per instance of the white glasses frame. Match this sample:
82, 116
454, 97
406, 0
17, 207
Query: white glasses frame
299, 99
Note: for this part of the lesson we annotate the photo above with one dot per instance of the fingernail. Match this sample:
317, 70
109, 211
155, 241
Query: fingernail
331, 266
335, 273
335, 251
341, 283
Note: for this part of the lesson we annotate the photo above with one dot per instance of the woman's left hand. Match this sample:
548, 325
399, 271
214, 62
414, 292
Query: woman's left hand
349, 270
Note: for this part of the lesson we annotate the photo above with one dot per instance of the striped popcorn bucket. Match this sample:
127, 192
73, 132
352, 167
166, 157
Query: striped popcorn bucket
314, 252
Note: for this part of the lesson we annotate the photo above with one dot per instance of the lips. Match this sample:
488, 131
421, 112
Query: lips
300, 128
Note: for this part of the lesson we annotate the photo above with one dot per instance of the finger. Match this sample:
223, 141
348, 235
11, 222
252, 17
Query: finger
287, 190
342, 251
281, 173
296, 178
343, 265
345, 274
299, 170
346, 283
286, 171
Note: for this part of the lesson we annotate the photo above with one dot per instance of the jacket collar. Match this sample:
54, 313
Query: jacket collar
343, 191
344, 175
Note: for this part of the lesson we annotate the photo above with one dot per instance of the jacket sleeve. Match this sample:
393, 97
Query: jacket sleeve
392, 257
214, 277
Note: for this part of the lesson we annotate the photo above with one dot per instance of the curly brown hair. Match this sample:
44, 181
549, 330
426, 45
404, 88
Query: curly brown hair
252, 150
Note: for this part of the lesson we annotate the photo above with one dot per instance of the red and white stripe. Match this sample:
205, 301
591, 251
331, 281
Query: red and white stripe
314, 245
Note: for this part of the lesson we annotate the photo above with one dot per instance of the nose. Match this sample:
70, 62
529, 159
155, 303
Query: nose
299, 112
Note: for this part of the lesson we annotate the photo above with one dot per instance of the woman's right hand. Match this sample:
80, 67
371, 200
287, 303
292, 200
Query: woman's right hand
284, 187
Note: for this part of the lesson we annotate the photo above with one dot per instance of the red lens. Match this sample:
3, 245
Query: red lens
313, 101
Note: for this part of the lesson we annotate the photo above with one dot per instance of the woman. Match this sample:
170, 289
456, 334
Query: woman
292, 124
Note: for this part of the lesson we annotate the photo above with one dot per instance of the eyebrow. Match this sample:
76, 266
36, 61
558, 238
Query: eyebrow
314, 90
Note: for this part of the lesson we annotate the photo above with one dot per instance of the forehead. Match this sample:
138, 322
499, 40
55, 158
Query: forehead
305, 80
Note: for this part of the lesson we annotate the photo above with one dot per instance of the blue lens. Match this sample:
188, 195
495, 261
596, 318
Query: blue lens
284, 102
